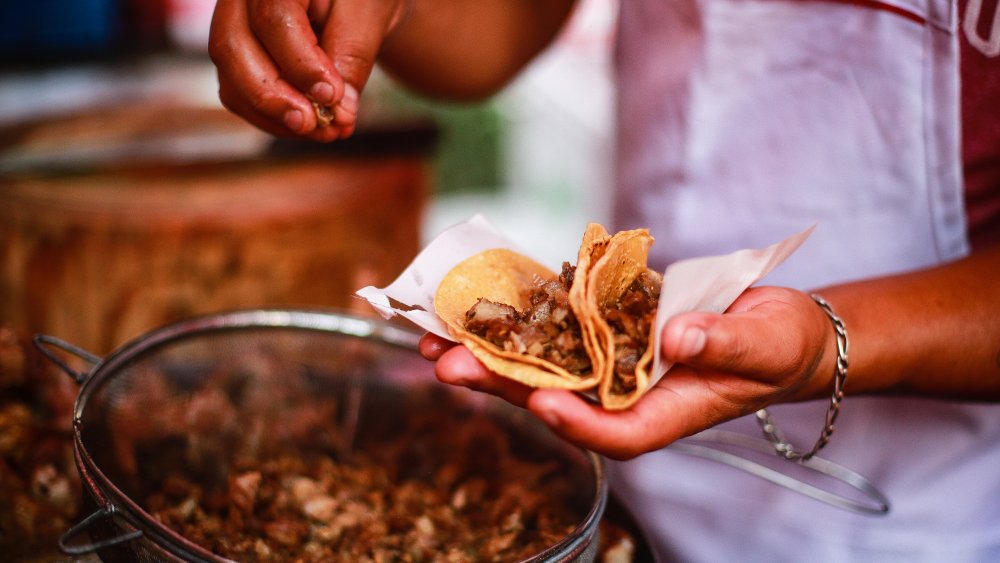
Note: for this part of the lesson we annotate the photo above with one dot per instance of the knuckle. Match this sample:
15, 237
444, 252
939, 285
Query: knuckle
263, 101
353, 58
222, 49
227, 99
269, 16
734, 351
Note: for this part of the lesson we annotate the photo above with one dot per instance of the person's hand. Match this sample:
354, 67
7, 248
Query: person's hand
773, 344
276, 57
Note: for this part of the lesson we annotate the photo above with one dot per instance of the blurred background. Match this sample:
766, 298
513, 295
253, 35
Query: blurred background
131, 197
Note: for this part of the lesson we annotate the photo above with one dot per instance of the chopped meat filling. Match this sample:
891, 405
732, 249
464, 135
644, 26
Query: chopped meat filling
546, 329
450, 487
630, 321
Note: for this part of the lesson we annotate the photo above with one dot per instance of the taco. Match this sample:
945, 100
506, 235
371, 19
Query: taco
623, 295
586, 328
516, 317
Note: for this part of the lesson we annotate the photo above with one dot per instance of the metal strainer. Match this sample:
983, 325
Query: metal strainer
196, 396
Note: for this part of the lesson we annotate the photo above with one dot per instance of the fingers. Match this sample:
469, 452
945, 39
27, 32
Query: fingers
293, 121
588, 425
457, 366
432, 346
284, 29
659, 418
250, 82
353, 36
620, 435
772, 335
674, 409
739, 343
662, 416
764, 348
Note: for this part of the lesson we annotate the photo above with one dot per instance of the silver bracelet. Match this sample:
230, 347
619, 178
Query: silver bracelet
781, 446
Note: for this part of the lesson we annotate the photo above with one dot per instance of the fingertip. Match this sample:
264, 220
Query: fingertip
432, 346
345, 113
349, 102
294, 120
686, 335
324, 134
692, 342
346, 131
458, 366
322, 92
546, 405
585, 424
551, 399
556, 406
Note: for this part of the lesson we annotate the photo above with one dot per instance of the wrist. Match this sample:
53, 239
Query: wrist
767, 424
820, 343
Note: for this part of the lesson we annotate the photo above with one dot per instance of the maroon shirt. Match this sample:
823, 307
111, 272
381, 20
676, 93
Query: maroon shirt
981, 133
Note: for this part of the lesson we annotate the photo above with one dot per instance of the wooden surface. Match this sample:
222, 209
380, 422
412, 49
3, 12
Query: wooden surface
101, 258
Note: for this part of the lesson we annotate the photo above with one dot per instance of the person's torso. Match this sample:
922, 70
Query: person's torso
744, 121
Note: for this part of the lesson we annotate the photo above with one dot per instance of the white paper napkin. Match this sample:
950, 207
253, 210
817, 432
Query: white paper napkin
697, 284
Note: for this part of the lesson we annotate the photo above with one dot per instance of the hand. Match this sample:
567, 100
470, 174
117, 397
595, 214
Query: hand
773, 344
276, 57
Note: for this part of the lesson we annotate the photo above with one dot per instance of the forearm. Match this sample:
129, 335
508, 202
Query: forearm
468, 49
933, 333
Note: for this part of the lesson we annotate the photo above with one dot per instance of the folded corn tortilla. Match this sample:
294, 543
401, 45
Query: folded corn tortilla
606, 267
623, 262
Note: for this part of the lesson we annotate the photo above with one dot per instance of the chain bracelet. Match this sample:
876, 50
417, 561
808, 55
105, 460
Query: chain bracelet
767, 425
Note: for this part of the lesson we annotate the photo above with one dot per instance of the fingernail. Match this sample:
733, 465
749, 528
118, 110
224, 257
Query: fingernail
293, 119
692, 342
350, 100
322, 92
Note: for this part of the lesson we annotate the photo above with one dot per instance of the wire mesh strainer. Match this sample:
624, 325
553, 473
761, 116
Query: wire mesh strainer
184, 407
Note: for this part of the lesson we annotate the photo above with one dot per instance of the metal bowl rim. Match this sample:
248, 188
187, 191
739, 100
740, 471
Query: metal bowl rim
330, 321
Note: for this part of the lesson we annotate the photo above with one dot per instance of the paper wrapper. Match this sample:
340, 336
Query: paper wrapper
698, 284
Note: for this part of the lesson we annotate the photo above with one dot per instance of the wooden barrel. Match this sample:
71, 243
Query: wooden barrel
116, 222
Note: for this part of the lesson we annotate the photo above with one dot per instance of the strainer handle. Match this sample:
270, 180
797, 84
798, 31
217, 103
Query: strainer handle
82, 525
43, 342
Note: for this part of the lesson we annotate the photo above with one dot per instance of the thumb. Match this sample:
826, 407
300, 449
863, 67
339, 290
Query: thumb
751, 343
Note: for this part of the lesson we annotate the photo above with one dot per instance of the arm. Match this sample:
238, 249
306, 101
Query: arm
933, 333
276, 57
474, 47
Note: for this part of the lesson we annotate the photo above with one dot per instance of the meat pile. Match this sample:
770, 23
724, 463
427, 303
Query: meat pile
39, 487
630, 321
452, 485
546, 329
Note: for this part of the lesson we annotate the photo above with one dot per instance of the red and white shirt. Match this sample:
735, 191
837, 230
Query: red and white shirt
980, 72
741, 122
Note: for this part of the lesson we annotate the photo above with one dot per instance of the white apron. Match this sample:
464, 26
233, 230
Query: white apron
742, 122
